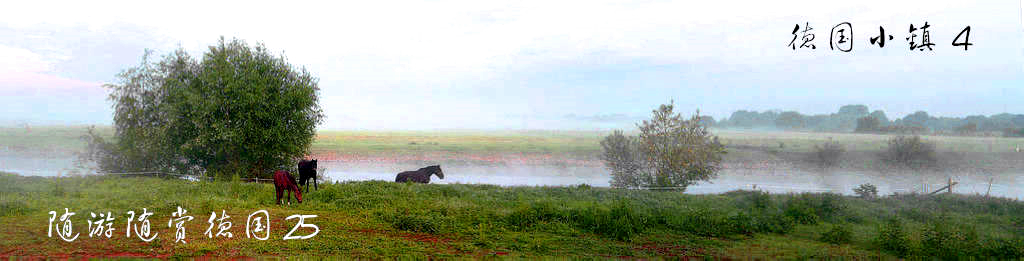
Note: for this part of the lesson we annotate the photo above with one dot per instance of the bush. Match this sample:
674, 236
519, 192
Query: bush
802, 212
669, 152
761, 200
772, 222
948, 243
828, 154
839, 234
1003, 249
809, 208
620, 221
910, 152
866, 191
528, 216
892, 237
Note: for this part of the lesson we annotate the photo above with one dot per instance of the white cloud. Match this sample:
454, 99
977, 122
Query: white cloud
17, 60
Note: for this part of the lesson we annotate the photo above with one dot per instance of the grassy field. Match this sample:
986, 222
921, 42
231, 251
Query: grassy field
381, 142
383, 219
805, 141
62, 140
67, 138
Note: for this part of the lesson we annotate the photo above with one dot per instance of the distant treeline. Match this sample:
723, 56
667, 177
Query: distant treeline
857, 118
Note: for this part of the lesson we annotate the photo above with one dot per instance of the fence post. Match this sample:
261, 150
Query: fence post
989, 187
950, 191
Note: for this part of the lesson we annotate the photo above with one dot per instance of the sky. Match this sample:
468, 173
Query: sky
532, 64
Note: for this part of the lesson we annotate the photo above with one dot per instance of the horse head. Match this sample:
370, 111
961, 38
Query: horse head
436, 169
294, 187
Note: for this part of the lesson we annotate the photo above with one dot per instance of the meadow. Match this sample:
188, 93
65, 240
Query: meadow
68, 138
376, 151
385, 219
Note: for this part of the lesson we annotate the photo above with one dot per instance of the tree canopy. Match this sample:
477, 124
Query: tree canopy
238, 109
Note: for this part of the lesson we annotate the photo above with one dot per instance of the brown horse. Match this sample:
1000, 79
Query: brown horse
420, 176
284, 183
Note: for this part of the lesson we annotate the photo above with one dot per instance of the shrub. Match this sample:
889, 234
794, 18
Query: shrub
809, 208
621, 221
828, 154
527, 216
948, 243
802, 212
773, 222
892, 237
670, 151
761, 200
866, 191
910, 152
1003, 249
839, 234
829, 205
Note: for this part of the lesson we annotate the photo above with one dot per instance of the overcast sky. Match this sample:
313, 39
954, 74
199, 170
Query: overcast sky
532, 64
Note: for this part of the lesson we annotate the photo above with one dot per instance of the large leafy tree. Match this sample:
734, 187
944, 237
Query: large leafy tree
670, 151
238, 109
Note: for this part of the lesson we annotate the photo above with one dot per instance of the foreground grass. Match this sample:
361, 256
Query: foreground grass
372, 219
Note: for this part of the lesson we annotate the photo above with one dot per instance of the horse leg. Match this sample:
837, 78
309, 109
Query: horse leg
278, 189
304, 181
314, 183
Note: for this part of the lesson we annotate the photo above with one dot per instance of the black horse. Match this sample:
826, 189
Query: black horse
420, 176
307, 170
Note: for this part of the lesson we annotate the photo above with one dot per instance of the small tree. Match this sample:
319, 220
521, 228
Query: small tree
866, 191
827, 154
669, 152
910, 152
238, 109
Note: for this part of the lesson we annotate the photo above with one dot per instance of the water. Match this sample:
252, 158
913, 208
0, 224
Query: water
843, 182
36, 166
770, 180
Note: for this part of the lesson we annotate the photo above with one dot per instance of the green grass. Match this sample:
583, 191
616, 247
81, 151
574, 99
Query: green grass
384, 219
